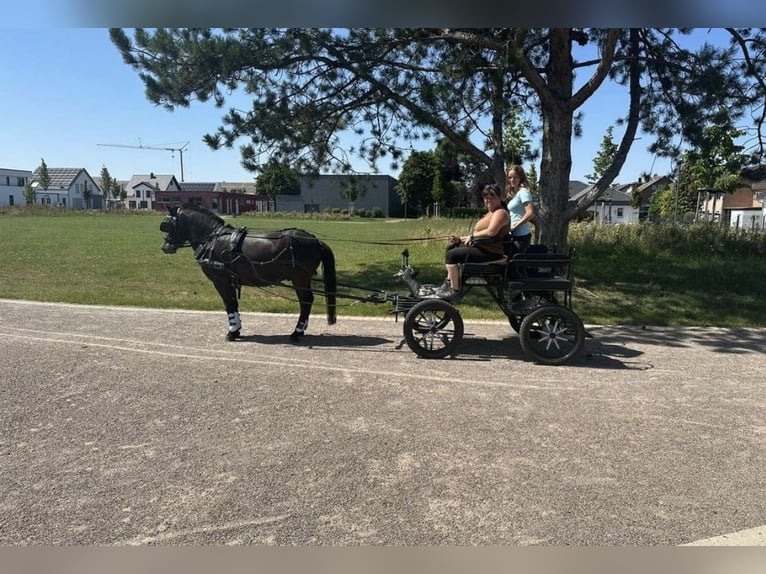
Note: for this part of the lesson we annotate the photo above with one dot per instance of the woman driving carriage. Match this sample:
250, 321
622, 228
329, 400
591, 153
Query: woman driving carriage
484, 244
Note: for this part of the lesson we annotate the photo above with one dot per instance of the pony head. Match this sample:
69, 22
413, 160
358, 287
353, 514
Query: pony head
170, 228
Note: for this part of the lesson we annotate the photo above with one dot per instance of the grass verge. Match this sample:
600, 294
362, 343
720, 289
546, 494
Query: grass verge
704, 275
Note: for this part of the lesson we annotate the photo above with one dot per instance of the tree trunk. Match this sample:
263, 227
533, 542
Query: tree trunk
556, 163
555, 168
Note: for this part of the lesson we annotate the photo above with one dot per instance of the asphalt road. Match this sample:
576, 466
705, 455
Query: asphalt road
125, 426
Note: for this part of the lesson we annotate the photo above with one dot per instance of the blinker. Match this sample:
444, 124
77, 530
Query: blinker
167, 225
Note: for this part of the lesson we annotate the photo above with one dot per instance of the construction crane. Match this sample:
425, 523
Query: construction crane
180, 151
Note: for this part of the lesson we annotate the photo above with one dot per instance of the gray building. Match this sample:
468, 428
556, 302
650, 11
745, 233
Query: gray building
322, 192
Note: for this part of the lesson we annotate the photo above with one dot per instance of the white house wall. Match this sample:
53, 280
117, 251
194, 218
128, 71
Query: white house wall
10, 188
72, 196
748, 218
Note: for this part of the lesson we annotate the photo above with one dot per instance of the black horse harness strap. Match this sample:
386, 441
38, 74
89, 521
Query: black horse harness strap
205, 255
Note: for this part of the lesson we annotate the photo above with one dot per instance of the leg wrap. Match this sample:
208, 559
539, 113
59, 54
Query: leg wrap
302, 326
234, 323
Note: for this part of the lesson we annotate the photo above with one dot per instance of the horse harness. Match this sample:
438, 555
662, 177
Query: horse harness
205, 256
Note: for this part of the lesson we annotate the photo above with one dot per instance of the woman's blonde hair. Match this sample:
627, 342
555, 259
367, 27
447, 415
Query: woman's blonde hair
523, 181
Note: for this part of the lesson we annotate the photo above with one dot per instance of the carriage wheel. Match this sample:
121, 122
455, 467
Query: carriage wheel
538, 299
552, 335
433, 329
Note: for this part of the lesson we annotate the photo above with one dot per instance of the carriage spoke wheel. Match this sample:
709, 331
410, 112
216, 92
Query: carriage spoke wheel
433, 329
518, 303
552, 335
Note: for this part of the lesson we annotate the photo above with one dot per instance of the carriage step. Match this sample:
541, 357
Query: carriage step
475, 281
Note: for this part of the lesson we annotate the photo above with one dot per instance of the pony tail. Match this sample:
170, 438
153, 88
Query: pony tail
330, 281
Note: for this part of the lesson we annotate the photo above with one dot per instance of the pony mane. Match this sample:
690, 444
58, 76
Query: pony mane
205, 213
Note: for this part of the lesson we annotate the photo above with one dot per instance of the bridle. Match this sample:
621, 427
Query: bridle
168, 227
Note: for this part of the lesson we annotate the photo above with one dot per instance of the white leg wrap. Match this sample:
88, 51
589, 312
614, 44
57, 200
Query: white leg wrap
234, 323
302, 326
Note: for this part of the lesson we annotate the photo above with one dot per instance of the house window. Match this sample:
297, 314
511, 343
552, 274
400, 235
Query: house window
10, 200
63, 201
619, 212
20, 181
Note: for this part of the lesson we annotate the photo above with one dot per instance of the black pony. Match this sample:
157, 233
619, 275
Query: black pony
231, 257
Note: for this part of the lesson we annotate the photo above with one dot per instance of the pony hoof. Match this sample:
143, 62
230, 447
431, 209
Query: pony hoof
232, 336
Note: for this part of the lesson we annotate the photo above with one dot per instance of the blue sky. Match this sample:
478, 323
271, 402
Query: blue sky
66, 90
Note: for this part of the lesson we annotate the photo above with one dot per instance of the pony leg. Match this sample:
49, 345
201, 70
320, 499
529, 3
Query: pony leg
235, 324
306, 298
228, 294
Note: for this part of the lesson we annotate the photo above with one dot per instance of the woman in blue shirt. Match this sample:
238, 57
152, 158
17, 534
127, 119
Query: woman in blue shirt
520, 207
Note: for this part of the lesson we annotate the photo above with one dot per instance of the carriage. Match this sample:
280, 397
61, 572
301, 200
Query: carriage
533, 289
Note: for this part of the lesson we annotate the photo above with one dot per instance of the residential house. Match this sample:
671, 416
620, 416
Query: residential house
322, 192
647, 189
12, 182
142, 190
743, 208
614, 205
71, 187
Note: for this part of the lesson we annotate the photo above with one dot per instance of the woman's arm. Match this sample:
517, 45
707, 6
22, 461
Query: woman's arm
529, 213
497, 220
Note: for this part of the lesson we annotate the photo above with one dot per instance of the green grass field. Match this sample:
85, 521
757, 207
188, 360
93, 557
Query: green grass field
624, 275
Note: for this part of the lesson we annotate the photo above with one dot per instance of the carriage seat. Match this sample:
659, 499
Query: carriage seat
500, 265
496, 267
532, 271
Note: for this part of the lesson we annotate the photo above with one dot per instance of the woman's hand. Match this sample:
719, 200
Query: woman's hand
454, 240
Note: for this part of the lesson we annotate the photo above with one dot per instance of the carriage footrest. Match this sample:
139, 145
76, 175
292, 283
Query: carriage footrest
475, 280
403, 305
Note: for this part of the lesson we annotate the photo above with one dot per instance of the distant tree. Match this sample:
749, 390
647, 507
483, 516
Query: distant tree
43, 177
30, 195
604, 158
450, 190
277, 177
416, 180
438, 192
106, 182
715, 163
353, 190
662, 204
516, 142
533, 178
116, 189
